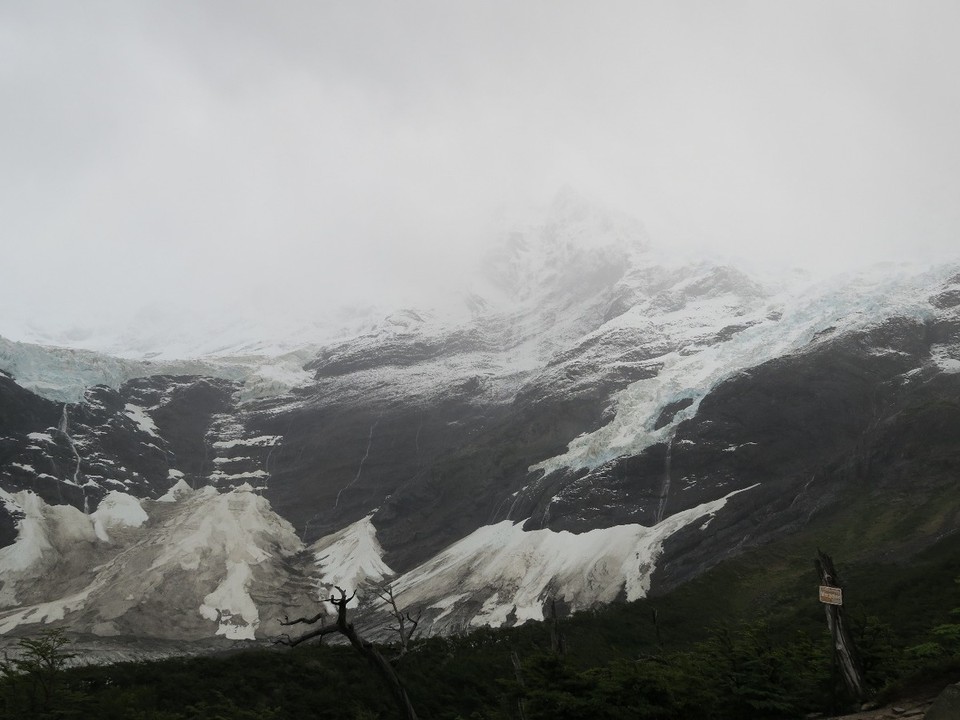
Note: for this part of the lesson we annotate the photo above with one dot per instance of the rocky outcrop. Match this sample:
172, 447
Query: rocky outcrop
141, 438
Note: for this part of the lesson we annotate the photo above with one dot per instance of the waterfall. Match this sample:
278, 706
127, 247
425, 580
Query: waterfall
665, 487
356, 477
64, 427
362, 461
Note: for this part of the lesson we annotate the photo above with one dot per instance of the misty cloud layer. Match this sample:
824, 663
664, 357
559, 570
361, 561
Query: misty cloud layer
232, 152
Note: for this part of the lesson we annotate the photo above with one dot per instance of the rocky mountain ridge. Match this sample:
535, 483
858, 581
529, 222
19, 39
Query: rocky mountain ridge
601, 423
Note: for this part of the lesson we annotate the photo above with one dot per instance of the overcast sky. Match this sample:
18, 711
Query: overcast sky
309, 151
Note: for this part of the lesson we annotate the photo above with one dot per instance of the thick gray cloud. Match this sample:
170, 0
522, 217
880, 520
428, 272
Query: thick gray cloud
222, 151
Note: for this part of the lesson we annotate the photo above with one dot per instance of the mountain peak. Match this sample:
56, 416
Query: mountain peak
574, 219
574, 234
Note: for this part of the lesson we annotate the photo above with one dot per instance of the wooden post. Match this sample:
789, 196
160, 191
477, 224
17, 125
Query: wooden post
656, 627
844, 651
515, 659
557, 642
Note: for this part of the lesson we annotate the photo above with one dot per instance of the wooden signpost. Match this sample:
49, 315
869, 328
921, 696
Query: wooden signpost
844, 651
831, 595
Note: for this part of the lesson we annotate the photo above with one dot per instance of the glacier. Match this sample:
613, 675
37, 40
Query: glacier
785, 322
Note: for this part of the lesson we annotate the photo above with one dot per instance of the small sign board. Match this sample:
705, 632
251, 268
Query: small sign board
831, 595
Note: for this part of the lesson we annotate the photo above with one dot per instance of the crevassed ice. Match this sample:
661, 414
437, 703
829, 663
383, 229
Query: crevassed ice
845, 306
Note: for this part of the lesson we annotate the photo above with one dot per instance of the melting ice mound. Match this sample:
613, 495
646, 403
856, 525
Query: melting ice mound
183, 569
501, 574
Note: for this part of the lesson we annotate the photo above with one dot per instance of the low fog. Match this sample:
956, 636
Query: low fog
301, 155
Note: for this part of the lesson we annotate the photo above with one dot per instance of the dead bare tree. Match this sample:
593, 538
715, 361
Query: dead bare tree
364, 647
406, 623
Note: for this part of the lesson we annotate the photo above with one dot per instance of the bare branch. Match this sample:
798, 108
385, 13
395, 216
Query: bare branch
319, 632
343, 596
309, 621
403, 630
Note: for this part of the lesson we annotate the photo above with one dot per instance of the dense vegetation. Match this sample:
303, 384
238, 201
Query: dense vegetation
746, 640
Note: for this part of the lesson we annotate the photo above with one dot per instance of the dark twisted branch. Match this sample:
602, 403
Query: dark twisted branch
364, 647
309, 621
319, 632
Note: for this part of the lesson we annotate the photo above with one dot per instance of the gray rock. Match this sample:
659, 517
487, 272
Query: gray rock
946, 706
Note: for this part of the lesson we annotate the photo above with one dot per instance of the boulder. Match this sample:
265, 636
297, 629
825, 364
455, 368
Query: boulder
947, 705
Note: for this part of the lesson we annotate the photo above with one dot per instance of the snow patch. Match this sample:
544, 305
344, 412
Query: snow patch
240, 528
44, 612
117, 509
734, 448
228, 460
350, 558
231, 606
31, 540
179, 490
261, 441
946, 357
218, 475
142, 419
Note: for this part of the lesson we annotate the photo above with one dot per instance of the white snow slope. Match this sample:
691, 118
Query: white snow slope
501, 573
350, 558
187, 568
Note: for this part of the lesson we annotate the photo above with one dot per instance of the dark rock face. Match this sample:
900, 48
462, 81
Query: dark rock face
22, 412
433, 473
8, 525
183, 410
946, 299
128, 439
33, 453
809, 430
670, 411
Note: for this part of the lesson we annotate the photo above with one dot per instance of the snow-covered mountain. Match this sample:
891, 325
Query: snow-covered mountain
592, 420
